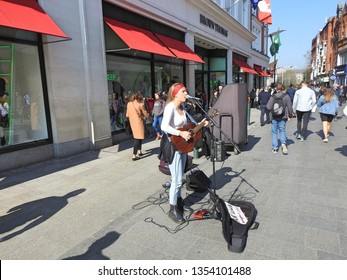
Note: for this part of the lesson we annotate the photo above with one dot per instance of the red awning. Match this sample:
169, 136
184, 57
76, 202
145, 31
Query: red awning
260, 71
180, 49
28, 15
137, 38
244, 66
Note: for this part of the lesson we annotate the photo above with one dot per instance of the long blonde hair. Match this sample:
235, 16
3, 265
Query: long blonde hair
170, 96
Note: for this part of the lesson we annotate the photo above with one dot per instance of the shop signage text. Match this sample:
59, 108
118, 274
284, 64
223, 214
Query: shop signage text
211, 24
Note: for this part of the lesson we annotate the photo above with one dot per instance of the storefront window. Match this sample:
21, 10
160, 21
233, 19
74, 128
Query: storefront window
165, 73
23, 117
125, 76
217, 73
217, 64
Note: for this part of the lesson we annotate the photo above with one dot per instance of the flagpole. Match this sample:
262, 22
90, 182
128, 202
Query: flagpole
275, 69
271, 38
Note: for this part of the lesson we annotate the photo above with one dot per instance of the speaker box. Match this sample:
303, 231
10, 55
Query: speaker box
197, 181
219, 151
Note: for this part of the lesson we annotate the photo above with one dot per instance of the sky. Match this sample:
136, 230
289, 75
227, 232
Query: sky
302, 20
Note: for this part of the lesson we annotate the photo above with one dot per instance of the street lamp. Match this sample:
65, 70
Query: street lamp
271, 38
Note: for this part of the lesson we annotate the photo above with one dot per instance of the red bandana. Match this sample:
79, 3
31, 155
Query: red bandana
176, 89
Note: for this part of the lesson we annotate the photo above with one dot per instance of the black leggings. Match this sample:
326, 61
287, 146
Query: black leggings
302, 117
137, 146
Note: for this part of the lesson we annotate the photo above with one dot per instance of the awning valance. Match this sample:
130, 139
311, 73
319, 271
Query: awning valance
260, 71
138, 38
179, 48
244, 66
28, 15
144, 40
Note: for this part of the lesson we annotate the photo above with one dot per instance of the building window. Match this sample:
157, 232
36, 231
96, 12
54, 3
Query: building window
21, 95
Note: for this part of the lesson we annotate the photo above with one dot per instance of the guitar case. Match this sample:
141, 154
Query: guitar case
236, 234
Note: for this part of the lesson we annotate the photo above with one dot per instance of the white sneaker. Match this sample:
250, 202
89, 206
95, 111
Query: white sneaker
325, 140
284, 149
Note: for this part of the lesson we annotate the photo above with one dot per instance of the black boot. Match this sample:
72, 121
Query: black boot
180, 205
176, 215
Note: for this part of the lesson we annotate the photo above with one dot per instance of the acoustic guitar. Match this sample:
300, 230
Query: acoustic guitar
184, 146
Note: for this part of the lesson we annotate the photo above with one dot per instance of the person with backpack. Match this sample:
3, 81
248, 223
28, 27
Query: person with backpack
304, 100
281, 112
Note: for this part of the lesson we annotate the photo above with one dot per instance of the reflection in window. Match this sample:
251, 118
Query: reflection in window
21, 94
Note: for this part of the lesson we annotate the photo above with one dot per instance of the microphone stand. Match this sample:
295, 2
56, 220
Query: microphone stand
213, 194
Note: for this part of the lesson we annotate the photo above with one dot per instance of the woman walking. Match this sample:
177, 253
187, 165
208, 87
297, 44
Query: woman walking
328, 109
158, 110
136, 112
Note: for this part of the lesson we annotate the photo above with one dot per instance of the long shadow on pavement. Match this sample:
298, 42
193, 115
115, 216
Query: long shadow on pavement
94, 251
32, 214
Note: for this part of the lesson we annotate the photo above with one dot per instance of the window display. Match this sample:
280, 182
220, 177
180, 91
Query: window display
21, 97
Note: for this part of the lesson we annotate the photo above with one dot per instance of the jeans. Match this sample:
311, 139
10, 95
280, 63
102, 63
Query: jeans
177, 170
278, 125
264, 111
157, 121
304, 118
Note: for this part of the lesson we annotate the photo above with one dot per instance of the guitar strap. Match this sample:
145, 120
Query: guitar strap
189, 116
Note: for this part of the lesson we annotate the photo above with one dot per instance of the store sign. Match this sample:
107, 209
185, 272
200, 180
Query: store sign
111, 76
215, 26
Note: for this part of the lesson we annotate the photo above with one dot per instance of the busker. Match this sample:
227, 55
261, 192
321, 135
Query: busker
175, 117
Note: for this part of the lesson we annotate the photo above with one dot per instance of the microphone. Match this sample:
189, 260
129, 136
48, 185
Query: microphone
193, 98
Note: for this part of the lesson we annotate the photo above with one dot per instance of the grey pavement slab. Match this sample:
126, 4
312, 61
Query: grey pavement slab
102, 205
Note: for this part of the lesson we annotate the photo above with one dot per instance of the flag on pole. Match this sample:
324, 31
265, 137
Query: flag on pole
276, 43
264, 14
255, 3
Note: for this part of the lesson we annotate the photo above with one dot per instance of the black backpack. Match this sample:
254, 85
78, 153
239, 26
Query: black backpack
235, 234
278, 109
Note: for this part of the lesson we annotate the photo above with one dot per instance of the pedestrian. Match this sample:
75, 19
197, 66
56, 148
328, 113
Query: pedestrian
175, 117
4, 119
281, 112
304, 100
264, 97
252, 96
214, 98
158, 110
136, 113
328, 108
291, 92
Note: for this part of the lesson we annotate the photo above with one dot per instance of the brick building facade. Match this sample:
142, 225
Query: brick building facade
329, 50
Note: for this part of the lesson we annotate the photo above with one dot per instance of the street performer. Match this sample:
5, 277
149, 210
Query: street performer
174, 119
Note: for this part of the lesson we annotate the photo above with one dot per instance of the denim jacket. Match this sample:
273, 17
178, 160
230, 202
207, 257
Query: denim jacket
329, 108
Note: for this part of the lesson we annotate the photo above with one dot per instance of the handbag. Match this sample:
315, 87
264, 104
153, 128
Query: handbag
166, 149
127, 126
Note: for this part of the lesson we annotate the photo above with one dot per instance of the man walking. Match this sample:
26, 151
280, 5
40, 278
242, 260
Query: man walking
281, 111
263, 99
304, 100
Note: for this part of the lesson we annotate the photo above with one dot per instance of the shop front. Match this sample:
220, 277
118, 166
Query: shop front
340, 74
25, 115
140, 59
